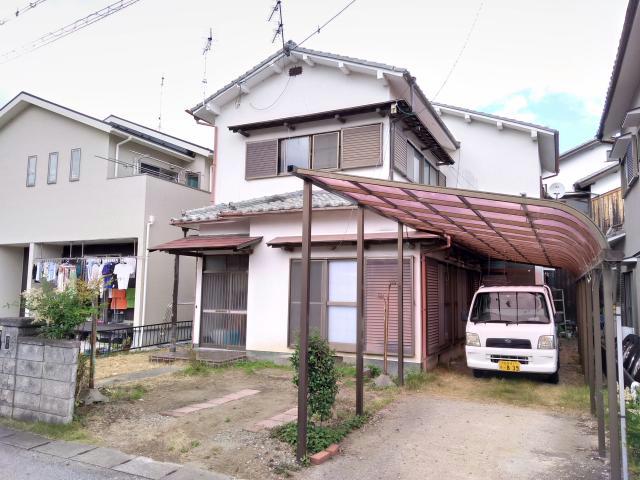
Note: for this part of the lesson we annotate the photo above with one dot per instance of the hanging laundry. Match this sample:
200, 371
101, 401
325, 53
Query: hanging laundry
131, 297
107, 274
123, 272
119, 299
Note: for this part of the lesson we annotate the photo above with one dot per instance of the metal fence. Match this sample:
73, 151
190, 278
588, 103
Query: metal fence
113, 340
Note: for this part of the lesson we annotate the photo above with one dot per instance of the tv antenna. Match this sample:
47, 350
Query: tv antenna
161, 93
205, 51
276, 12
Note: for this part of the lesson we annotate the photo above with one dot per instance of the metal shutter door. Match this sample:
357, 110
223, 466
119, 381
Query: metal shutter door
261, 159
362, 146
379, 273
435, 305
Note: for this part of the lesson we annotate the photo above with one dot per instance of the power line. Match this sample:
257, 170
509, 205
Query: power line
21, 11
464, 46
66, 30
317, 31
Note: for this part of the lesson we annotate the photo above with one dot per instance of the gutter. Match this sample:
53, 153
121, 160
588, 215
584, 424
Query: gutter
617, 66
128, 139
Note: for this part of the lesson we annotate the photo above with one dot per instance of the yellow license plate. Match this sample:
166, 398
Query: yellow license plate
509, 366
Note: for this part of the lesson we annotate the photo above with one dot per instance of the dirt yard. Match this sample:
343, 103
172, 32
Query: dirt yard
446, 417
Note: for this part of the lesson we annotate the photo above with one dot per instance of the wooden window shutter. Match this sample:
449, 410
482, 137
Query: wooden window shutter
261, 159
362, 146
379, 273
399, 151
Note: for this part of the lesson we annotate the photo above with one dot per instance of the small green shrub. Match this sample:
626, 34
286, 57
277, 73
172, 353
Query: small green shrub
323, 377
319, 437
346, 370
82, 377
375, 371
62, 312
197, 368
633, 438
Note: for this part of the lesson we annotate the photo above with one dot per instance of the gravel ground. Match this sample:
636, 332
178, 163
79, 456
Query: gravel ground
425, 437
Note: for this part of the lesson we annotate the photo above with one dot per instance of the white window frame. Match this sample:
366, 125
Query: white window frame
35, 170
53, 179
75, 178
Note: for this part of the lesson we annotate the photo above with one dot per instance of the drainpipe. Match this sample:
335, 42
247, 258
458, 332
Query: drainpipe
151, 221
128, 139
214, 166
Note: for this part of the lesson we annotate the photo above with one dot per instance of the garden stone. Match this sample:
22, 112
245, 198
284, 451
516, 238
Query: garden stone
383, 381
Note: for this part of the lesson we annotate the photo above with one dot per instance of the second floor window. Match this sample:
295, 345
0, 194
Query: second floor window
31, 171
52, 172
351, 147
74, 168
419, 170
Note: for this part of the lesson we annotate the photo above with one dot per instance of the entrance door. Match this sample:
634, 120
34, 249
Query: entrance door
224, 301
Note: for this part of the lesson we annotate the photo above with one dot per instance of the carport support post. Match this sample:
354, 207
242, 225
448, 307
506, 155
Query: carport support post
303, 361
400, 305
609, 333
360, 313
174, 300
590, 351
597, 353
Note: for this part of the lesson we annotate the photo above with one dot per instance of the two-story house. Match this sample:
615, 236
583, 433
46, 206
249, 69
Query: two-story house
79, 193
620, 122
311, 109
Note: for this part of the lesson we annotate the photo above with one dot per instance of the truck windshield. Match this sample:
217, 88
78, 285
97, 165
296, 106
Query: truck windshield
510, 307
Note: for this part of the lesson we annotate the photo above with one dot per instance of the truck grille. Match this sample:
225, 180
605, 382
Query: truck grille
509, 343
514, 358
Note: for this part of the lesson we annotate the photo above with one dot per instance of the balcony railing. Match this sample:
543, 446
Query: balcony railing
607, 210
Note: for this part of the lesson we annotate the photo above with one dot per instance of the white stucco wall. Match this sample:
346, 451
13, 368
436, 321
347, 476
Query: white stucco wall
268, 288
317, 89
583, 163
492, 160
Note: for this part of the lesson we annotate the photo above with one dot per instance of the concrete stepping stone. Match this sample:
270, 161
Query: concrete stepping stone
103, 457
64, 449
290, 415
181, 412
147, 468
24, 440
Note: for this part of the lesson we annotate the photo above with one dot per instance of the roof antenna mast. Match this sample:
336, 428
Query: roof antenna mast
161, 93
276, 12
205, 51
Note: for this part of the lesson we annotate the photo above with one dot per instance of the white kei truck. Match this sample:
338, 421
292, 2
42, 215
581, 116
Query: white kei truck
513, 329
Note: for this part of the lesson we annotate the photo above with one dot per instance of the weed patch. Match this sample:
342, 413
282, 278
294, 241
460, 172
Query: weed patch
415, 380
125, 393
519, 392
319, 437
71, 432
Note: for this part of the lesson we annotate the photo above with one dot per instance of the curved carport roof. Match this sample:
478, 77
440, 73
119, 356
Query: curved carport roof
504, 227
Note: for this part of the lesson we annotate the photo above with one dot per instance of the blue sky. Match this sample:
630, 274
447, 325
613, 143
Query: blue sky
576, 119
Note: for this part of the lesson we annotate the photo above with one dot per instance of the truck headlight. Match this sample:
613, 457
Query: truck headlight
546, 342
473, 339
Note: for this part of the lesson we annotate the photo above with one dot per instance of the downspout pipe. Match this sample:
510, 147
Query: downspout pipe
150, 222
128, 139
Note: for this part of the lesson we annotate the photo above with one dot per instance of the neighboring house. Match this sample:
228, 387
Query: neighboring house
79, 191
318, 110
592, 184
620, 122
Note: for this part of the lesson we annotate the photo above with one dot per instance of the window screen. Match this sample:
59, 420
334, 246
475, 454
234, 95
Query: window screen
74, 170
294, 152
52, 172
31, 171
325, 150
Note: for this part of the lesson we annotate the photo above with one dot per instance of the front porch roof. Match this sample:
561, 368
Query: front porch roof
503, 227
197, 244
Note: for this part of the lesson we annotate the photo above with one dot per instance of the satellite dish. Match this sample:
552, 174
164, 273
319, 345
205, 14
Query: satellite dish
557, 190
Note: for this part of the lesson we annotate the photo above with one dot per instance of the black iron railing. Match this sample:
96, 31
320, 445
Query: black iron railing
119, 339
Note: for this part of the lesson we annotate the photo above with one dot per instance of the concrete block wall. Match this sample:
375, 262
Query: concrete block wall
38, 376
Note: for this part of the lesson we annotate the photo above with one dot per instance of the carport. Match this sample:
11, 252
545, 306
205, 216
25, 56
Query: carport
501, 227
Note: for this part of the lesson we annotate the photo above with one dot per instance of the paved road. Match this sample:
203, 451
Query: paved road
20, 464
423, 437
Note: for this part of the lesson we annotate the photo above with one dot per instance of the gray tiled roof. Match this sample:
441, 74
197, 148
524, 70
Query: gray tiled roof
293, 47
272, 203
